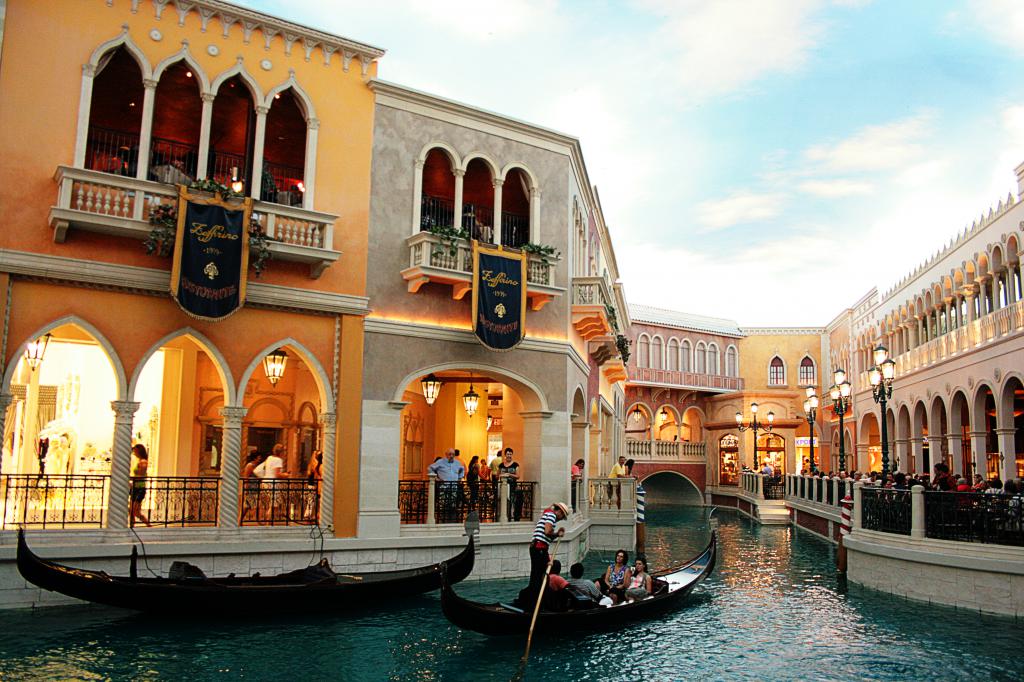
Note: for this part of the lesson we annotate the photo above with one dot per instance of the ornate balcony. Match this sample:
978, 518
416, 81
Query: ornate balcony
648, 376
119, 206
664, 451
590, 301
434, 260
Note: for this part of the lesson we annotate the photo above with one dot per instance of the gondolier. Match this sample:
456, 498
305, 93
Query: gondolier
544, 534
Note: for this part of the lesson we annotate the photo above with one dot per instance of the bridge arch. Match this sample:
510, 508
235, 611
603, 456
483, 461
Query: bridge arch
671, 488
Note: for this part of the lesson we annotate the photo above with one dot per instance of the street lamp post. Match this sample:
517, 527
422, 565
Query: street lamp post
840, 395
755, 425
881, 377
811, 410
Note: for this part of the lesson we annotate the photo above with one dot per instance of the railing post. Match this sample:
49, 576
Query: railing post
230, 466
835, 490
120, 464
326, 511
759, 482
431, 498
917, 511
858, 505
502, 500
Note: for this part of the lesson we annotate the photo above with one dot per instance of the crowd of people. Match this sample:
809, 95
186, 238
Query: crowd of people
941, 480
261, 469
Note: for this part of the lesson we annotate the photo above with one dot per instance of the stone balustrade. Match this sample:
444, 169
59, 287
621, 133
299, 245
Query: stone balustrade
680, 379
821, 491
664, 451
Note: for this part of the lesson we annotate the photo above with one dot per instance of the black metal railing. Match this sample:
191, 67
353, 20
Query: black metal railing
53, 501
820, 484
282, 184
172, 162
974, 517
436, 212
515, 229
773, 488
112, 151
803, 487
887, 511
519, 506
478, 221
453, 500
280, 502
221, 164
412, 501
177, 500
828, 492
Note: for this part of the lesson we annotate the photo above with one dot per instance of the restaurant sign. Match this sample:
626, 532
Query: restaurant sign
211, 255
499, 297
805, 441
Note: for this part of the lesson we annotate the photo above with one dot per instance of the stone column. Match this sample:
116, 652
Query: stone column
202, 170
460, 175
498, 237
917, 512
858, 505
379, 465
546, 442
309, 171
915, 332
535, 194
1008, 449
120, 463
5, 401
146, 130
901, 449
329, 422
955, 445
863, 460
934, 452
972, 313
417, 196
230, 466
978, 450
256, 176
917, 451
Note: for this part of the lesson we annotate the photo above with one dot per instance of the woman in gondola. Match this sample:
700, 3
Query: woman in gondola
640, 582
616, 577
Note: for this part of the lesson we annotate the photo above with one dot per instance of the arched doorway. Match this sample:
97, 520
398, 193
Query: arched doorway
1011, 431
671, 489
693, 426
960, 428
729, 459
58, 436
771, 448
666, 424
985, 441
871, 444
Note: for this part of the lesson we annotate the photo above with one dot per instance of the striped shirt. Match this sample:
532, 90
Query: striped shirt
538, 531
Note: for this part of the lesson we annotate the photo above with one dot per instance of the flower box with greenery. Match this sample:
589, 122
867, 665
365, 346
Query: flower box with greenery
164, 221
542, 251
449, 237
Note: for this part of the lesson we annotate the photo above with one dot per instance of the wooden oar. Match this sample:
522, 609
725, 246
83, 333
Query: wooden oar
536, 610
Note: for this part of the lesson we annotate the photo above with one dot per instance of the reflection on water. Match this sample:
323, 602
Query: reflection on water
774, 609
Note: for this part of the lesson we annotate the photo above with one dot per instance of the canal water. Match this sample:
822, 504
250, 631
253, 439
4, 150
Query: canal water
773, 610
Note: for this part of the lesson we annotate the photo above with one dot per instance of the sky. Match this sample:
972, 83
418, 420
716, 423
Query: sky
767, 161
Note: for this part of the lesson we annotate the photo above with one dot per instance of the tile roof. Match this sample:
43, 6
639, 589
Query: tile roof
674, 318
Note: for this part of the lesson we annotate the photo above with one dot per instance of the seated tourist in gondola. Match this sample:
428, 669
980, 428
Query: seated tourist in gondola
584, 593
640, 582
556, 596
616, 577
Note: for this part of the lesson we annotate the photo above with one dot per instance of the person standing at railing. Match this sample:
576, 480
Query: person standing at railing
618, 471
250, 481
271, 469
508, 472
449, 472
473, 480
140, 465
313, 476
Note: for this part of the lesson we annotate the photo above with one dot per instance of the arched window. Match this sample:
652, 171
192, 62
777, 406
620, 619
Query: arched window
478, 201
807, 373
713, 359
643, 351
685, 351
731, 362
672, 355
115, 115
437, 201
701, 359
177, 117
515, 209
232, 133
657, 355
776, 372
284, 151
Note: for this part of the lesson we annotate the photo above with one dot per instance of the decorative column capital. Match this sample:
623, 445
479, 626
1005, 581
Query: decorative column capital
398, 405
459, 172
124, 410
313, 123
497, 182
89, 70
233, 416
262, 110
329, 420
149, 83
208, 97
535, 416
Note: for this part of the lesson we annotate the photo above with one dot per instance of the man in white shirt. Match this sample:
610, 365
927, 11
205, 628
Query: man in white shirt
273, 466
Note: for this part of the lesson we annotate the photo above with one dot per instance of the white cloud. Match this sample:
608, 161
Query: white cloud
835, 188
875, 148
1003, 20
738, 208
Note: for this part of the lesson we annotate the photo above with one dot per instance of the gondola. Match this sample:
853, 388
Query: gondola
315, 588
671, 588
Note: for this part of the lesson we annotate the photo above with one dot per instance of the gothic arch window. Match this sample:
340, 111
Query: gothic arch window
685, 353
713, 367
657, 353
731, 362
115, 114
776, 372
643, 348
701, 359
808, 375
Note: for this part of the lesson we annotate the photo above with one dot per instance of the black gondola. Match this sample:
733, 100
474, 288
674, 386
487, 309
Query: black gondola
673, 585
315, 588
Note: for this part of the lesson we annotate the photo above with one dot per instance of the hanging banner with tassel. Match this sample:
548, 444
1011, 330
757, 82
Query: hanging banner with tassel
211, 255
499, 297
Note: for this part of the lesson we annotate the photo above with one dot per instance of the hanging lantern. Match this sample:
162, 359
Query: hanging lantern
431, 388
636, 415
35, 350
664, 414
274, 365
470, 399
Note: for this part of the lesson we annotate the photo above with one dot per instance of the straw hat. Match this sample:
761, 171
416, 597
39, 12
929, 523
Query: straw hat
562, 506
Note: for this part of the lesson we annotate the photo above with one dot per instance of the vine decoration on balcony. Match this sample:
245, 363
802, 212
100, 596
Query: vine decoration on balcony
543, 252
449, 237
623, 344
163, 220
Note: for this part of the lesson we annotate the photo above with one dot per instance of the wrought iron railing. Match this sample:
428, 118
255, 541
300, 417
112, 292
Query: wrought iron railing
773, 488
172, 162
453, 500
280, 502
412, 501
436, 212
478, 221
222, 163
887, 510
519, 505
974, 517
53, 501
282, 184
515, 229
177, 500
112, 151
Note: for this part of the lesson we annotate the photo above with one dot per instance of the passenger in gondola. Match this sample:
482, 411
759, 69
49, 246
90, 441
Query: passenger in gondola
616, 577
640, 582
556, 596
585, 594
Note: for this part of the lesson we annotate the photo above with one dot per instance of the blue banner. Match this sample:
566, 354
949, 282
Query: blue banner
211, 255
499, 297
